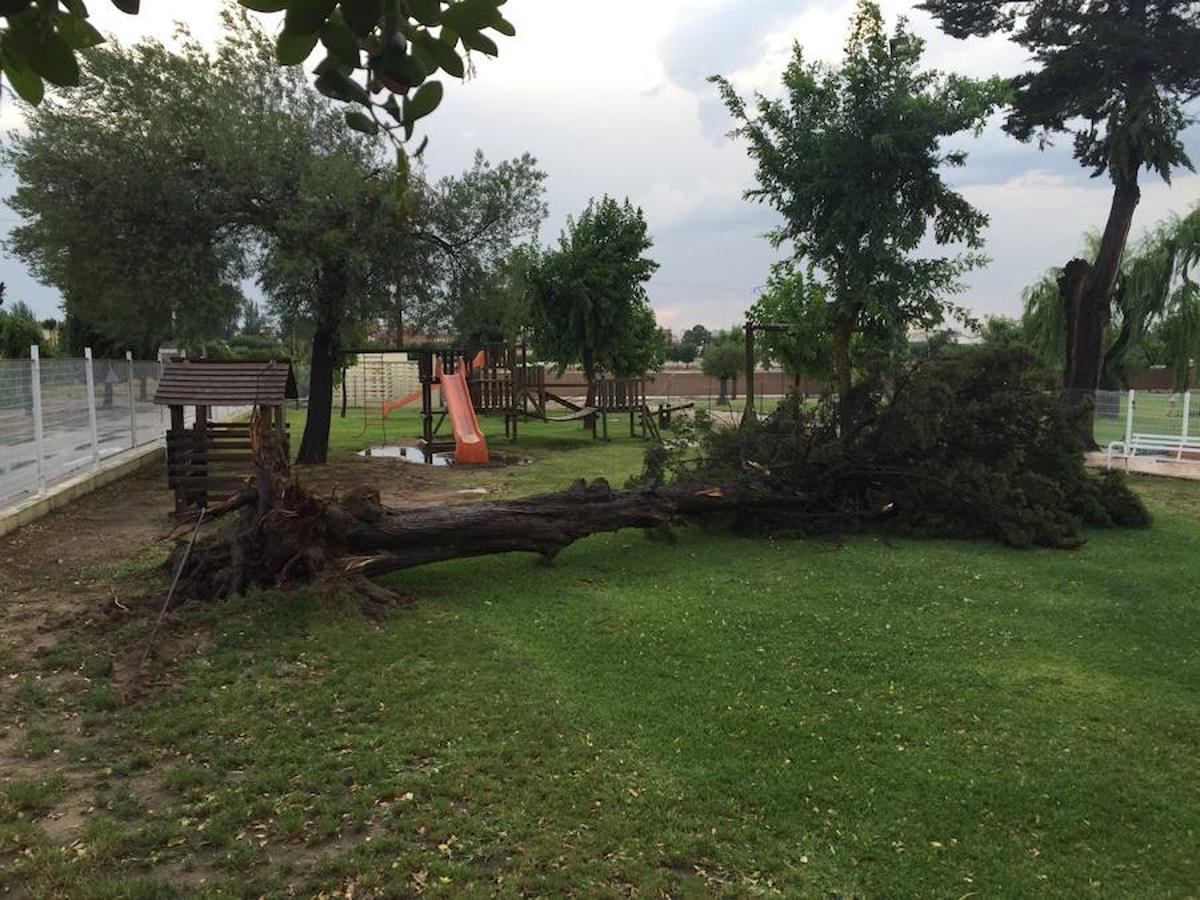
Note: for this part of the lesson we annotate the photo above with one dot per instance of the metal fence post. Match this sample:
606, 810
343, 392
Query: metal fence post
39, 438
91, 406
1187, 412
1129, 419
132, 402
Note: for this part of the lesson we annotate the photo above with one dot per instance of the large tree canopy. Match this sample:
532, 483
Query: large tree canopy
1155, 300
1117, 75
239, 169
589, 299
850, 157
378, 56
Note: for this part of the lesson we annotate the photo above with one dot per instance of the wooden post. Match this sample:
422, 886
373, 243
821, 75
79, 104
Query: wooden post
199, 445
750, 413
280, 428
177, 455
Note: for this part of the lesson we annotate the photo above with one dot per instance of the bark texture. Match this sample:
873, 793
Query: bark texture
286, 536
1086, 290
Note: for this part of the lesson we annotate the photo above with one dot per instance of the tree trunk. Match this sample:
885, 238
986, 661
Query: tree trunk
286, 536
724, 382
843, 331
1086, 290
588, 361
314, 446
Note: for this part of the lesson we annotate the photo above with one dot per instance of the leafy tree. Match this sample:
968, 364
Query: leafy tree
17, 335
723, 358
680, 352
254, 323
495, 306
22, 310
157, 251
369, 47
803, 306
697, 336
1002, 331
480, 228
1118, 76
237, 159
1153, 292
851, 159
589, 303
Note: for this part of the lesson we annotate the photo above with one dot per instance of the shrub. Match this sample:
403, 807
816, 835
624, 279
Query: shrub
976, 445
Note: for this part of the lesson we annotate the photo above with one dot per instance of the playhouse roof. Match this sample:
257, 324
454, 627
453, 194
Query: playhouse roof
226, 382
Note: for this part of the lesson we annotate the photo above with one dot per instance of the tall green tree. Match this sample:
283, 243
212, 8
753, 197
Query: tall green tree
144, 196
801, 304
482, 226
1154, 298
377, 56
851, 159
589, 303
1118, 76
723, 358
241, 169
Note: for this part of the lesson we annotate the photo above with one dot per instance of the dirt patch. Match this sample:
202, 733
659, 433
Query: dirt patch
400, 484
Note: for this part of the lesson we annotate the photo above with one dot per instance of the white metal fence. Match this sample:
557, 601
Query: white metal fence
60, 417
1122, 414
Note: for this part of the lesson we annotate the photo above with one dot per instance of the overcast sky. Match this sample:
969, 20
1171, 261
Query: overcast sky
616, 102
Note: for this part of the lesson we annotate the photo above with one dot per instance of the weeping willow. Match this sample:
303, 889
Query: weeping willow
1154, 294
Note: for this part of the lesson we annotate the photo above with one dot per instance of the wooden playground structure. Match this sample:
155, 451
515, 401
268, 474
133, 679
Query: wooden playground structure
501, 381
209, 459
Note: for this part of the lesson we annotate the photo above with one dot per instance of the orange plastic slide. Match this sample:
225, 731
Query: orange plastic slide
403, 401
470, 446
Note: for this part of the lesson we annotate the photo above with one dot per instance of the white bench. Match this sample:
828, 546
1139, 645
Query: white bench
1156, 444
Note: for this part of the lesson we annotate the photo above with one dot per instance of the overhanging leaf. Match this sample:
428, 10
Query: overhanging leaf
362, 15
473, 40
26, 82
360, 121
307, 16
78, 32
423, 102
265, 6
444, 56
293, 49
341, 42
427, 12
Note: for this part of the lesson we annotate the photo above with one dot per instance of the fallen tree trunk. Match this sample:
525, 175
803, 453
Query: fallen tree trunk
386, 540
286, 536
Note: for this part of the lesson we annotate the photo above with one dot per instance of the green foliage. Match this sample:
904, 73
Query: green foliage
589, 297
972, 445
801, 304
17, 334
724, 355
1118, 75
1002, 331
850, 158
1154, 307
481, 227
156, 252
370, 47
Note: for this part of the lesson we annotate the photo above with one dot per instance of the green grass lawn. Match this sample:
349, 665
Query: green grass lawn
860, 717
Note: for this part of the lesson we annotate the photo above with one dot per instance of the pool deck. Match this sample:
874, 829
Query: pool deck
1149, 465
